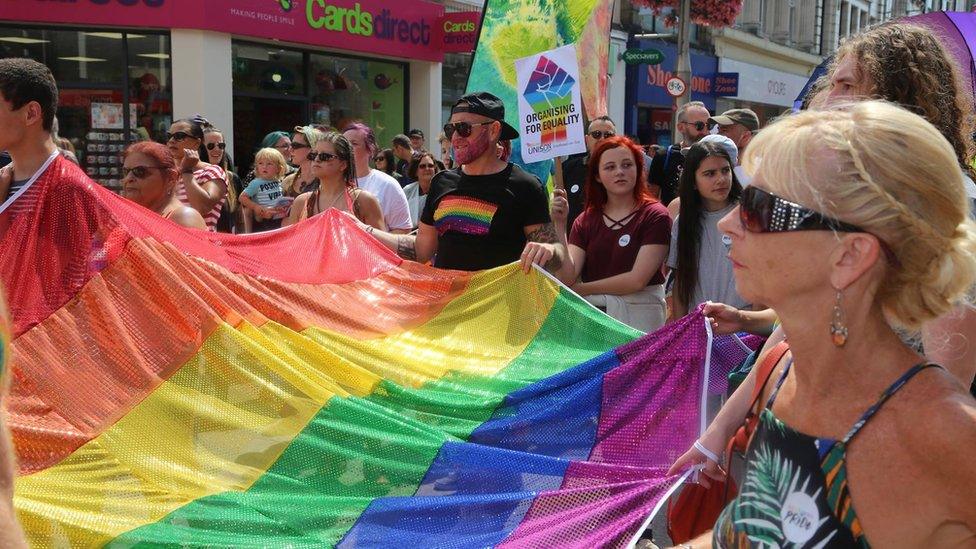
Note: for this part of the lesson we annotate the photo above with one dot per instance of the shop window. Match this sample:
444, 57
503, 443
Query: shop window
345, 89
265, 69
454, 78
100, 87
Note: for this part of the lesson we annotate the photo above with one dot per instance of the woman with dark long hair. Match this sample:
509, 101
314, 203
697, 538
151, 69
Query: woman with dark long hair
203, 186
618, 244
708, 190
333, 165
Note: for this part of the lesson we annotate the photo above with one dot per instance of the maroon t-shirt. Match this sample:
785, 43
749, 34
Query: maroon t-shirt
610, 252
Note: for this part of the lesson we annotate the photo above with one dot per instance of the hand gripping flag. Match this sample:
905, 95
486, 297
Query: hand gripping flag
307, 388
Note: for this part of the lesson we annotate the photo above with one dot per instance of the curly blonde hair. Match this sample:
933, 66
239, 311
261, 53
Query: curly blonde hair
907, 64
852, 160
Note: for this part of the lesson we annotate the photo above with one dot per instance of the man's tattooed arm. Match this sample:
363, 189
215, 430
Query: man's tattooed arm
407, 247
546, 234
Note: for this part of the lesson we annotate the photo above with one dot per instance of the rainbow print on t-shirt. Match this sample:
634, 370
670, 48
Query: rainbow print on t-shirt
464, 214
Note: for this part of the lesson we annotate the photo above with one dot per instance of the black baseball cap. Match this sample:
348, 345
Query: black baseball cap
488, 105
416, 132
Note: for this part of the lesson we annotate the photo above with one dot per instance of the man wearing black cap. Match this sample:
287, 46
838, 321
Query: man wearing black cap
486, 213
416, 139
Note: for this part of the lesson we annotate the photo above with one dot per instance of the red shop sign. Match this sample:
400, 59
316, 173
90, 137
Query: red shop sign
406, 28
459, 31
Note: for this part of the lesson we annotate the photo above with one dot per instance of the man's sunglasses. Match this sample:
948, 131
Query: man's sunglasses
763, 212
140, 172
462, 128
699, 126
296, 145
177, 136
221, 146
597, 134
322, 157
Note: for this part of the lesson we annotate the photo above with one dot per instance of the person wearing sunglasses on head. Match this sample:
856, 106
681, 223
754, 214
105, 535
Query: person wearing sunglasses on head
854, 243
708, 190
575, 167
333, 164
393, 202
301, 180
666, 166
203, 186
487, 212
231, 214
150, 178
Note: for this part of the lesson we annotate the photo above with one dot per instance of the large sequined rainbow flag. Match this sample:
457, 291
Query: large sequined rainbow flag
307, 388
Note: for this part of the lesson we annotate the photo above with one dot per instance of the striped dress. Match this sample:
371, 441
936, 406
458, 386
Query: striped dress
201, 176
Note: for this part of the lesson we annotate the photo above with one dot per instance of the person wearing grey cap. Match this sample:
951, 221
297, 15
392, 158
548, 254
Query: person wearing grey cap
488, 212
739, 125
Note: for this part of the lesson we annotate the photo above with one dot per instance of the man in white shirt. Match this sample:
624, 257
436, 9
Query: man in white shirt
396, 211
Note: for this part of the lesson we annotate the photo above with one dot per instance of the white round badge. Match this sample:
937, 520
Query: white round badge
574, 189
799, 517
624, 240
727, 240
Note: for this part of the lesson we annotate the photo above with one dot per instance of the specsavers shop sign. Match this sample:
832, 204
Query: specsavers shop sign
405, 28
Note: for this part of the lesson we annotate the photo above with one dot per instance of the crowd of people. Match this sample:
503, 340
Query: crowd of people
845, 229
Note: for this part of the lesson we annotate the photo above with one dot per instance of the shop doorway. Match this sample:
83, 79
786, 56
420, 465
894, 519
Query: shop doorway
255, 117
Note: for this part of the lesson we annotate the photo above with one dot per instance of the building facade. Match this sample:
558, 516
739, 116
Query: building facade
773, 48
127, 68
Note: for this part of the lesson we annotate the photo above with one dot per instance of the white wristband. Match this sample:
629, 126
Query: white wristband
706, 452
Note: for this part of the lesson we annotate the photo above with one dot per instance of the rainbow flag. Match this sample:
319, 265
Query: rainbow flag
307, 388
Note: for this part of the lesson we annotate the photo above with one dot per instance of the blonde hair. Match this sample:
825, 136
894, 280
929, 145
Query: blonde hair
311, 135
273, 155
879, 167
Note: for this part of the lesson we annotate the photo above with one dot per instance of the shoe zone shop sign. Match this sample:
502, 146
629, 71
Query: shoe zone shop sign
413, 29
648, 83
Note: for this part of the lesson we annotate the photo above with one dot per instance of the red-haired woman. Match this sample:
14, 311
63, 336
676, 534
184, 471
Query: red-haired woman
619, 242
149, 178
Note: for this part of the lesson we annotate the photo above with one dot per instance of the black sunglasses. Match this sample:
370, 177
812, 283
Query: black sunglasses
177, 136
597, 134
699, 126
379, 159
296, 145
322, 157
462, 128
221, 146
763, 212
140, 172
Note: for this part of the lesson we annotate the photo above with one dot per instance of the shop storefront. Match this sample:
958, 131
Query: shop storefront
766, 91
127, 68
649, 108
115, 88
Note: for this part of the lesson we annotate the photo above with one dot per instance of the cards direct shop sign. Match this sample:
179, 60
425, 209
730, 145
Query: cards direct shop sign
408, 28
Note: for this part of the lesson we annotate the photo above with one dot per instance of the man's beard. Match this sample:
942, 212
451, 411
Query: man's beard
474, 150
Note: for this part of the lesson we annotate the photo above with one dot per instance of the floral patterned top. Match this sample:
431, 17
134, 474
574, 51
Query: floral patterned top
795, 491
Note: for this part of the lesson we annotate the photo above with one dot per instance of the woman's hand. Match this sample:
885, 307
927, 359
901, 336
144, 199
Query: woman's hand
559, 209
725, 319
712, 470
191, 159
538, 253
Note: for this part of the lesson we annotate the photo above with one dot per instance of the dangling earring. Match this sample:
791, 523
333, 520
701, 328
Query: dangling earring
838, 331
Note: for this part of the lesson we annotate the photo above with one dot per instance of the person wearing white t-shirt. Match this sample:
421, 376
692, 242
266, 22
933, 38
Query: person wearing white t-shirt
422, 170
393, 202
